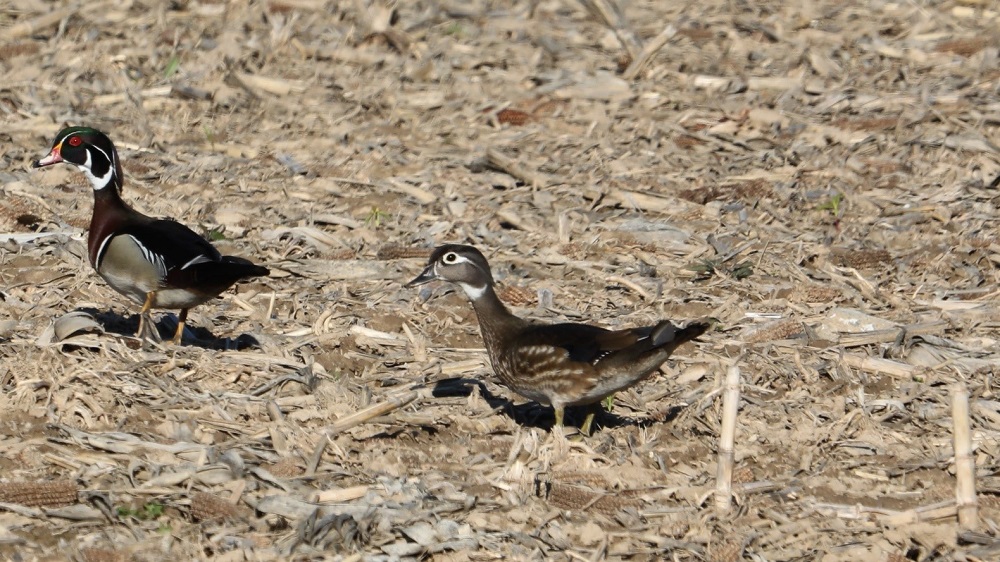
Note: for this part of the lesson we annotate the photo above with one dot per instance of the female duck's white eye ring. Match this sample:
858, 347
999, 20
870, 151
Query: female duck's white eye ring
450, 257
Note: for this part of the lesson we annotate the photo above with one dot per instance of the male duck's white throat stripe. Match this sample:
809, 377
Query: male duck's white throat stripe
99, 182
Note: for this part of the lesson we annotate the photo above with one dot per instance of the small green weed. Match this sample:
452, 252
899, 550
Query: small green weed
216, 234
833, 204
707, 268
148, 512
172, 66
375, 217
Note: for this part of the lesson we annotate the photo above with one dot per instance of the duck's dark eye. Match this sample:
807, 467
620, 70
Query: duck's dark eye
450, 257
75, 141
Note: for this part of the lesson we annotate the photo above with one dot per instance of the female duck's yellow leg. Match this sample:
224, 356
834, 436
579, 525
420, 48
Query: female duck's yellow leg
587, 423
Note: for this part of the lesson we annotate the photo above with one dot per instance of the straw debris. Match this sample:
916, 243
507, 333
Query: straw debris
819, 177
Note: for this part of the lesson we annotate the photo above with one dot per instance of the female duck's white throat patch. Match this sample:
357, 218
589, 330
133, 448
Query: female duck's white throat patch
473, 292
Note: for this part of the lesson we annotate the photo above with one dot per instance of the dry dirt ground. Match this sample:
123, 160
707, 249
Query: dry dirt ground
817, 175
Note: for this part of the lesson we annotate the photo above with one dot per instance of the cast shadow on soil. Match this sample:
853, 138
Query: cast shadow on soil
166, 324
533, 414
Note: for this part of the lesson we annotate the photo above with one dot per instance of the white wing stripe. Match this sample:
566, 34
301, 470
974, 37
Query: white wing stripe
153, 258
100, 250
202, 258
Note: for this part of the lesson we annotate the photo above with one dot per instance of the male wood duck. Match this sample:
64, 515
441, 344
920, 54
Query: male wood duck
157, 263
558, 364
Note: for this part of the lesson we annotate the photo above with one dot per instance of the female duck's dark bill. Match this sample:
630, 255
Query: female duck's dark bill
53, 157
426, 276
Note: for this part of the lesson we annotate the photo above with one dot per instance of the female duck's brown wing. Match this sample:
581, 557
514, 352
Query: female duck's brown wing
579, 349
569, 364
584, 343
580, 341
563, 358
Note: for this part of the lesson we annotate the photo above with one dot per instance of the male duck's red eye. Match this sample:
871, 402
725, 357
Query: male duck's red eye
75, 141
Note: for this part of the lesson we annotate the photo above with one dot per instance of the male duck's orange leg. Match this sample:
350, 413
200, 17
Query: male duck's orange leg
150, 296
181, 319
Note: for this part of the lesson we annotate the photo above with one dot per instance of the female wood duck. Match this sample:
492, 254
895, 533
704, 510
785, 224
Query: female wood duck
157, 263
558, 364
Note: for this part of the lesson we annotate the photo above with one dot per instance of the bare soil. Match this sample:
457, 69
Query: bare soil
818, 176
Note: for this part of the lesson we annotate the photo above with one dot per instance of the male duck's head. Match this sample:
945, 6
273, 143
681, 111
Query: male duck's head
89, 150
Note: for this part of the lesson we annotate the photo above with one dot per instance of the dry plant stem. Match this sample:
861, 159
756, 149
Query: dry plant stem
879, 365
891, 334
648, 51
965, 464
31, 27
155, 92
933, 512
611, 15
510, 167
357, 418
373, 411
727, 440
267, 84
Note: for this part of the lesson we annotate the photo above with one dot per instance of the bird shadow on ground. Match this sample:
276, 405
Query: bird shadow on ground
166, 325
533, 414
